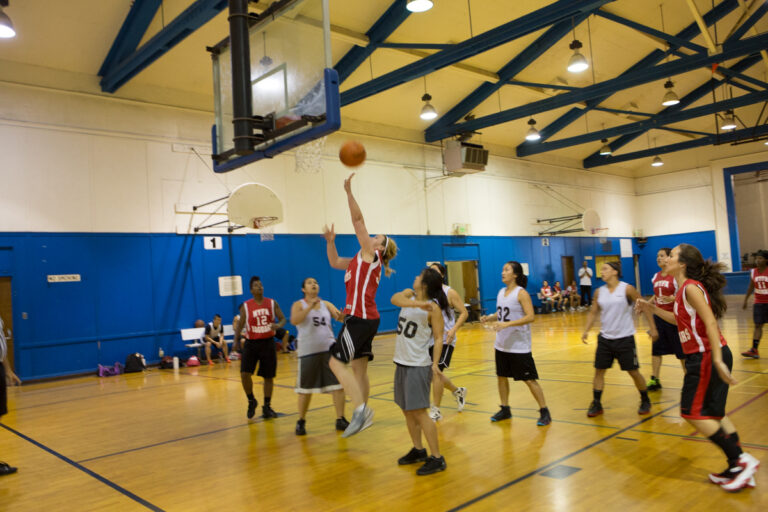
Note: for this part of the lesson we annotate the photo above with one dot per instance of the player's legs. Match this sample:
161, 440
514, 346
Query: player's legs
503, 384
429, 429
637, 378
269, 385
224, 349
598, 381
360, 369
414, 429
304, 400
347, 380
246, 379
656, 366
537, 392
208, 352
338, 402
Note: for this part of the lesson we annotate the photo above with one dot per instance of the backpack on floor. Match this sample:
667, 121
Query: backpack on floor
166, 363
108, 371
135, 363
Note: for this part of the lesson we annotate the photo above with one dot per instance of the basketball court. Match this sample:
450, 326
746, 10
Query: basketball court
157, 154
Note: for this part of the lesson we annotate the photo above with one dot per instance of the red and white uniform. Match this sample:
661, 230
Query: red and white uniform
693, 332
259, 318
760, 280
362, 281
569, 291
558, 290
664, 289
546, 291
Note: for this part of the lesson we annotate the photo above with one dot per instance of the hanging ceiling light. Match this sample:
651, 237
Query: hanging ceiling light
657, 161
6, 27
729, 121
606, 149
670, 98
419, 5
428, 112
532, 134
578, 62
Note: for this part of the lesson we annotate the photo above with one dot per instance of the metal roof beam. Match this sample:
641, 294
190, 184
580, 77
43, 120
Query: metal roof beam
195, 16
378, 33
133, 29
689, 99
648, 124
721, 138
749, 23
626, 81
558, 11
677, 41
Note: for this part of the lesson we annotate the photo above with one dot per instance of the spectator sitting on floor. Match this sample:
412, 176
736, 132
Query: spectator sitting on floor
214, 338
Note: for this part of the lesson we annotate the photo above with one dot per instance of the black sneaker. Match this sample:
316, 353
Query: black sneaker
654, 384
544, 418
7, 469
645, 407
503, 414
432, 465
300, 430
252, 407
267, 412
595, 409
342, 424
413, 456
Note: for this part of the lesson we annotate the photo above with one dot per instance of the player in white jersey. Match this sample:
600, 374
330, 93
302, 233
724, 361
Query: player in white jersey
312, 318
451, 325
613, 303
420, 320
7, 378
514, 314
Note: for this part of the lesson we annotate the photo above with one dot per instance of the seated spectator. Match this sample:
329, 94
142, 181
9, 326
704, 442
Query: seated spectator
546, 297
573, 296
285, 339
557, 296
214, 338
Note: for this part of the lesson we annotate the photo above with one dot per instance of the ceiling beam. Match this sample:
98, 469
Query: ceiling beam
194, 17
527, 24
133, 29
625, 81
721, 138
670, 39
702, 25
645, 125
749, 23
392, 18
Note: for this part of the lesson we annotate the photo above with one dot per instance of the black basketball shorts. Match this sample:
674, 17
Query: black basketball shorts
516, 366
445, 356
623, 349
704, 393
261, 352
355, 339
760, 313
668, 341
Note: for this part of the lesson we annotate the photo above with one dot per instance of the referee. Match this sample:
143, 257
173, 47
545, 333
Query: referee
7, 377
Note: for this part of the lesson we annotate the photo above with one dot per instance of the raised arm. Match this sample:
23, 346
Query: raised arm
591, 316
299, 312
696, 299
358, 222
403, 300
330, 249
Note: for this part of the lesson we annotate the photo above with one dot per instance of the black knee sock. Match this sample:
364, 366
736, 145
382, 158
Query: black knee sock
267, 401
597, 394
250, 396
755, 344
728, 443
644, 396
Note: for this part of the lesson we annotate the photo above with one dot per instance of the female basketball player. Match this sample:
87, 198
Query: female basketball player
354, 341
7, 378
613, 304
666, 339
312, 318
451, 325
514, 314
708, 360
758, 283
419, 322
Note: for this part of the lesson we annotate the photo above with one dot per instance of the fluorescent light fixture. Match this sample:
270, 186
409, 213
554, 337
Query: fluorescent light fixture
419, 5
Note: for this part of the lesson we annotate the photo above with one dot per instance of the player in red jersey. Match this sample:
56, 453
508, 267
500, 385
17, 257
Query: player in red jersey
257, 317
354, 341
758, 283
667, 340
698, 304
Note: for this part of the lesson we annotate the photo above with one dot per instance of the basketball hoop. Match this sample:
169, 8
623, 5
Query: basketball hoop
263, 222
255, 206
267, 233
591, 222
309, 156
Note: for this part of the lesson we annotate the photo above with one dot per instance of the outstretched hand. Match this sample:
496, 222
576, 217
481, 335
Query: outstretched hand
348, 183
329, 234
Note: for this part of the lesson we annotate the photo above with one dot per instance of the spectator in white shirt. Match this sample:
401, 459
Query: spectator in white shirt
585, 280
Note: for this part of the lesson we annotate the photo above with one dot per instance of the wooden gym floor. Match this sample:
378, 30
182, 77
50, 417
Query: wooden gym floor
181, 442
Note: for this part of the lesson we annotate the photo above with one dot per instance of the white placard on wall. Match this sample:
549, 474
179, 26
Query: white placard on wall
212, 243
64, 278
525, 268
230, 285
626, 247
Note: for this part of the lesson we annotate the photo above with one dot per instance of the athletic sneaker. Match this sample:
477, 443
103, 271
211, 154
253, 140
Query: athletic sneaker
413, 456
432, 465
342, 423
749, 466
267, 412
7, 469
368, 418
362, 417
645, 407
595, 409
726, 476
654, 384
300, 430
434, 413
227, 359
252, 407
751, 353
211, 363
544, 418
461, 397
503, 414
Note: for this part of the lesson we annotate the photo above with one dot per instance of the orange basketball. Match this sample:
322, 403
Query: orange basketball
352, 153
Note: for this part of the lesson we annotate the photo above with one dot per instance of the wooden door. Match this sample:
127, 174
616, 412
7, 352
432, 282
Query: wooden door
568, 272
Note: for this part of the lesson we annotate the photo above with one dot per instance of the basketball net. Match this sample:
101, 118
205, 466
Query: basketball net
309, 156
266, 228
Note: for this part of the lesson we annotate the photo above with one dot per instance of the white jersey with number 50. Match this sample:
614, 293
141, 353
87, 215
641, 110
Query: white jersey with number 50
413, 336
516, 340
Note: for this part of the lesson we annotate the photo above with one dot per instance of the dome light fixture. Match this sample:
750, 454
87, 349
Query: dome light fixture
657, 161
533, 134
419, 5
606, 149
729, 121
578, 62
428, 112
6, 26
670, 98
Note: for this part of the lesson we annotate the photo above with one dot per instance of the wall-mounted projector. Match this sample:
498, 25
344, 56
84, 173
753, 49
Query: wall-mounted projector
464, 158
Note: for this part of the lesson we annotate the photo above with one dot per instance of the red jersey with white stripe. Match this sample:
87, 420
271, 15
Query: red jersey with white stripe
546, 291
259, 318
693, 332
664, 289
362, 281
760, 280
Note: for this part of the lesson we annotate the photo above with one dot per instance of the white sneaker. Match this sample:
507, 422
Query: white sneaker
434, 413
460, 395
743, 479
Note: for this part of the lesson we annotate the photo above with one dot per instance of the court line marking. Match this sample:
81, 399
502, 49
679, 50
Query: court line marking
554, 463
87, 471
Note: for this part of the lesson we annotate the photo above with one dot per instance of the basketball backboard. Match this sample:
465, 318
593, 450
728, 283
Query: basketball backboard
289, 93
